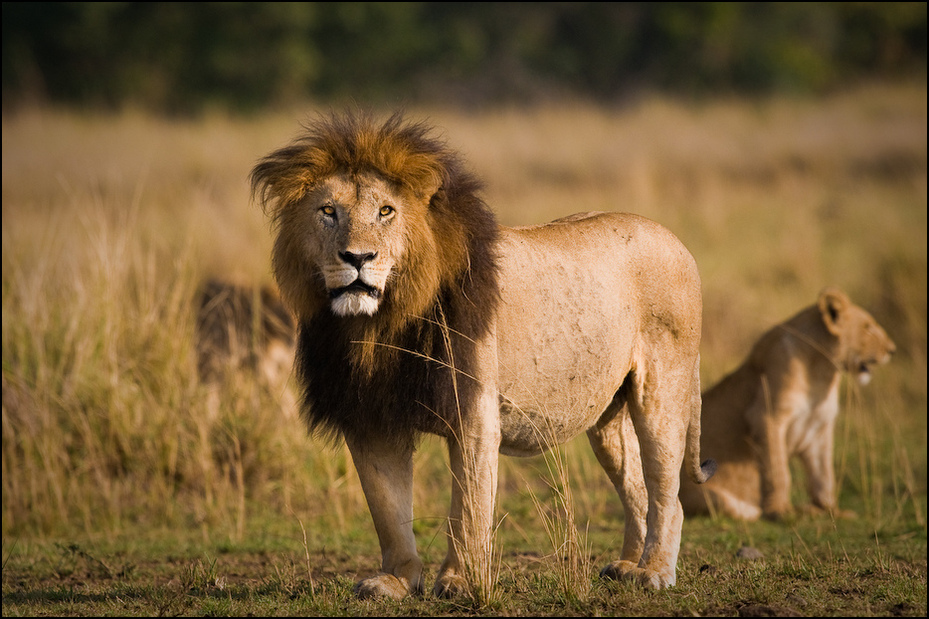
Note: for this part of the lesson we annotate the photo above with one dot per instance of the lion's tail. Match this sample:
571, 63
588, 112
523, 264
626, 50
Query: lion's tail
699, 472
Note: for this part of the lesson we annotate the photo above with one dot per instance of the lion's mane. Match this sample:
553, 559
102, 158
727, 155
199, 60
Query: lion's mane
407, 367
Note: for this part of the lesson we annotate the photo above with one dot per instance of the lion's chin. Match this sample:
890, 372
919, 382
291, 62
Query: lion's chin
355, 303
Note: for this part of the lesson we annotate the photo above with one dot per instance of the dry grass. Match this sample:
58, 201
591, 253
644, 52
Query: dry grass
109, 223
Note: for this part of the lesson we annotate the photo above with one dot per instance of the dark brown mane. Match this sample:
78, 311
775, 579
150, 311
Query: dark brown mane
389, 373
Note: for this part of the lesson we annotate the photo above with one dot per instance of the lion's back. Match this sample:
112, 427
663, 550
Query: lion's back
580, 298
605, 265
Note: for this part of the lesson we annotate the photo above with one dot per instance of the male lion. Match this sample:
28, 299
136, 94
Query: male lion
783, 402
418, 313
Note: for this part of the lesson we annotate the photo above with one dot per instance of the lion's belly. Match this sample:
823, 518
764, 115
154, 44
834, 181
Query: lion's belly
553, 384
564, 347
527, 430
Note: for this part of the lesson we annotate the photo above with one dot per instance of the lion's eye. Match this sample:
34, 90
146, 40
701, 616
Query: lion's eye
387, 210
328, 210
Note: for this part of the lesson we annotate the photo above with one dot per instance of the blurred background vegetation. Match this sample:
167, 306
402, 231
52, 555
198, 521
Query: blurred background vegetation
785, 143
185, 57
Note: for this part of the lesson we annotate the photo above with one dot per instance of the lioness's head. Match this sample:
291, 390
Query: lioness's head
862, 343
371, 219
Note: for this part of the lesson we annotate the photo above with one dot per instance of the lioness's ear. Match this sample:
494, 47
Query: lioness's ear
832, 302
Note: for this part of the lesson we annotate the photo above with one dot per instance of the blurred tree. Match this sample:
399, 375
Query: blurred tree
182, 57
173, 56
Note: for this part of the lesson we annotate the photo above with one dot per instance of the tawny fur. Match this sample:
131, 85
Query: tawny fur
418, 313
782, 402
244, 328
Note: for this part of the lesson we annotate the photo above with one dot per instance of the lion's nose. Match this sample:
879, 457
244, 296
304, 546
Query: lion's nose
357, 259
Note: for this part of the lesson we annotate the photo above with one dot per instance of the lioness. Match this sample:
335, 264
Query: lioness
417, 312
783, 402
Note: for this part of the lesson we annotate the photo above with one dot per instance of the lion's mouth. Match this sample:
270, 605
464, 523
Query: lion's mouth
356, 286
863, 373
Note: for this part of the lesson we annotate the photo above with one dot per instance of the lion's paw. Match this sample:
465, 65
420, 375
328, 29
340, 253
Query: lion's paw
450, 585
629, 571
382, 586
617, 570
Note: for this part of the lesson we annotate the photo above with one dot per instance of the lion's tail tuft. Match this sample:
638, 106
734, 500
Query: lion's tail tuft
703, 473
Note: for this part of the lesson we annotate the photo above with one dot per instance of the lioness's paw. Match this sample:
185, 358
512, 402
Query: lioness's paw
843, 514
626, 570
780, 514
450, 585
382, 586
831, 512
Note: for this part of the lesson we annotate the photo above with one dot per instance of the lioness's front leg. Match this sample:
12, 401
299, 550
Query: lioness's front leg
773, 464
385, 469
473, 450
820, 472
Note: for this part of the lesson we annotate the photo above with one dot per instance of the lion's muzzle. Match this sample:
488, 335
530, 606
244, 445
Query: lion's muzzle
356, 286
355, 299
355, 283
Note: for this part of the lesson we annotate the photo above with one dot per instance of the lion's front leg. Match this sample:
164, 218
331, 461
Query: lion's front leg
386, 472
473, 457
768, 419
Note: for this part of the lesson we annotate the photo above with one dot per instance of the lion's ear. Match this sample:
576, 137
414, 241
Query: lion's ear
832, 302
439, 198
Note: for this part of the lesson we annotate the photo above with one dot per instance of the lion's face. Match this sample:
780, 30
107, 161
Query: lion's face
359, 208
862, 342
357, 238
353, 231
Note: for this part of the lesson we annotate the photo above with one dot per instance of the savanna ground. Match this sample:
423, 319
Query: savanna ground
124, 494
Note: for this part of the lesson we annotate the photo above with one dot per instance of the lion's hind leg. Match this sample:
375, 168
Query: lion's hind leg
660, 400
617, 449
